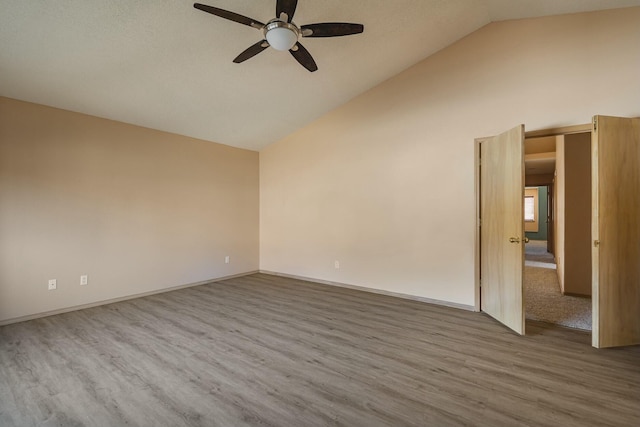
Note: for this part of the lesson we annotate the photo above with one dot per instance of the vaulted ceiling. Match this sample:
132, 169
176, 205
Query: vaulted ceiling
164, 65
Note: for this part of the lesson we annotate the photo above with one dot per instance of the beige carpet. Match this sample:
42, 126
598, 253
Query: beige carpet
544, 302
543, 299
536, 252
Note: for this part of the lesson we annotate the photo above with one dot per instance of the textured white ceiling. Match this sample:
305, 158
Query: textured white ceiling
164, 65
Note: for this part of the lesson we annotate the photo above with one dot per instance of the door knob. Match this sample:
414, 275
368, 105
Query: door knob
514, 240
526, 240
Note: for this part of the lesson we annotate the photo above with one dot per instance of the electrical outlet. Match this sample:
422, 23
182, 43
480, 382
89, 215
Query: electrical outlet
336, 264
227, 259
53, 284
84, 279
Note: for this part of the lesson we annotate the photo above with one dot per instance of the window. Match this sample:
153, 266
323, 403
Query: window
530, 208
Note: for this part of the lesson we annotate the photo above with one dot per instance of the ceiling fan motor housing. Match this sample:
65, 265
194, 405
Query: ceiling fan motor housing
281, 35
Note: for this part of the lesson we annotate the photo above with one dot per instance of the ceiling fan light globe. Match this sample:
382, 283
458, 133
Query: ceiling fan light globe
281, 38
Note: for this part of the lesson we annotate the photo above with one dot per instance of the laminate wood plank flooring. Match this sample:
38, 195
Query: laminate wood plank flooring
262, 350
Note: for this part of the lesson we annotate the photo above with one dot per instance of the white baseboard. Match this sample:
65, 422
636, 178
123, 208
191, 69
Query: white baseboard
375, 291
219, 279
113, 300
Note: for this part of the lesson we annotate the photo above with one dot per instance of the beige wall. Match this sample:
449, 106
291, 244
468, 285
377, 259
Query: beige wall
136, 210
577, 241
385, 184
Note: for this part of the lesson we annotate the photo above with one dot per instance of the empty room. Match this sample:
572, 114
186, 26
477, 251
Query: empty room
305, 213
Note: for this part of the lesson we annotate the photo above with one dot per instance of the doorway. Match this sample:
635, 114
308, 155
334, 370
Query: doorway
615, 231
560, 296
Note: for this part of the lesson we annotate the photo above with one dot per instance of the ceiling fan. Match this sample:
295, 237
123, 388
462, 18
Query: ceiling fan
282, 34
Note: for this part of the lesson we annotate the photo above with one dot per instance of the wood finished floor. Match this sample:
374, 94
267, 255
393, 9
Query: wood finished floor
269, 351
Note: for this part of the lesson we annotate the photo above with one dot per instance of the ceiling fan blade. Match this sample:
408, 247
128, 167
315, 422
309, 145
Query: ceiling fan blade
252, 51
231, 16
303, 56
331, 29
286, 6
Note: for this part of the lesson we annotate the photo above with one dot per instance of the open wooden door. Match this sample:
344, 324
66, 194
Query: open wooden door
502, 227
550, 236
616, 231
